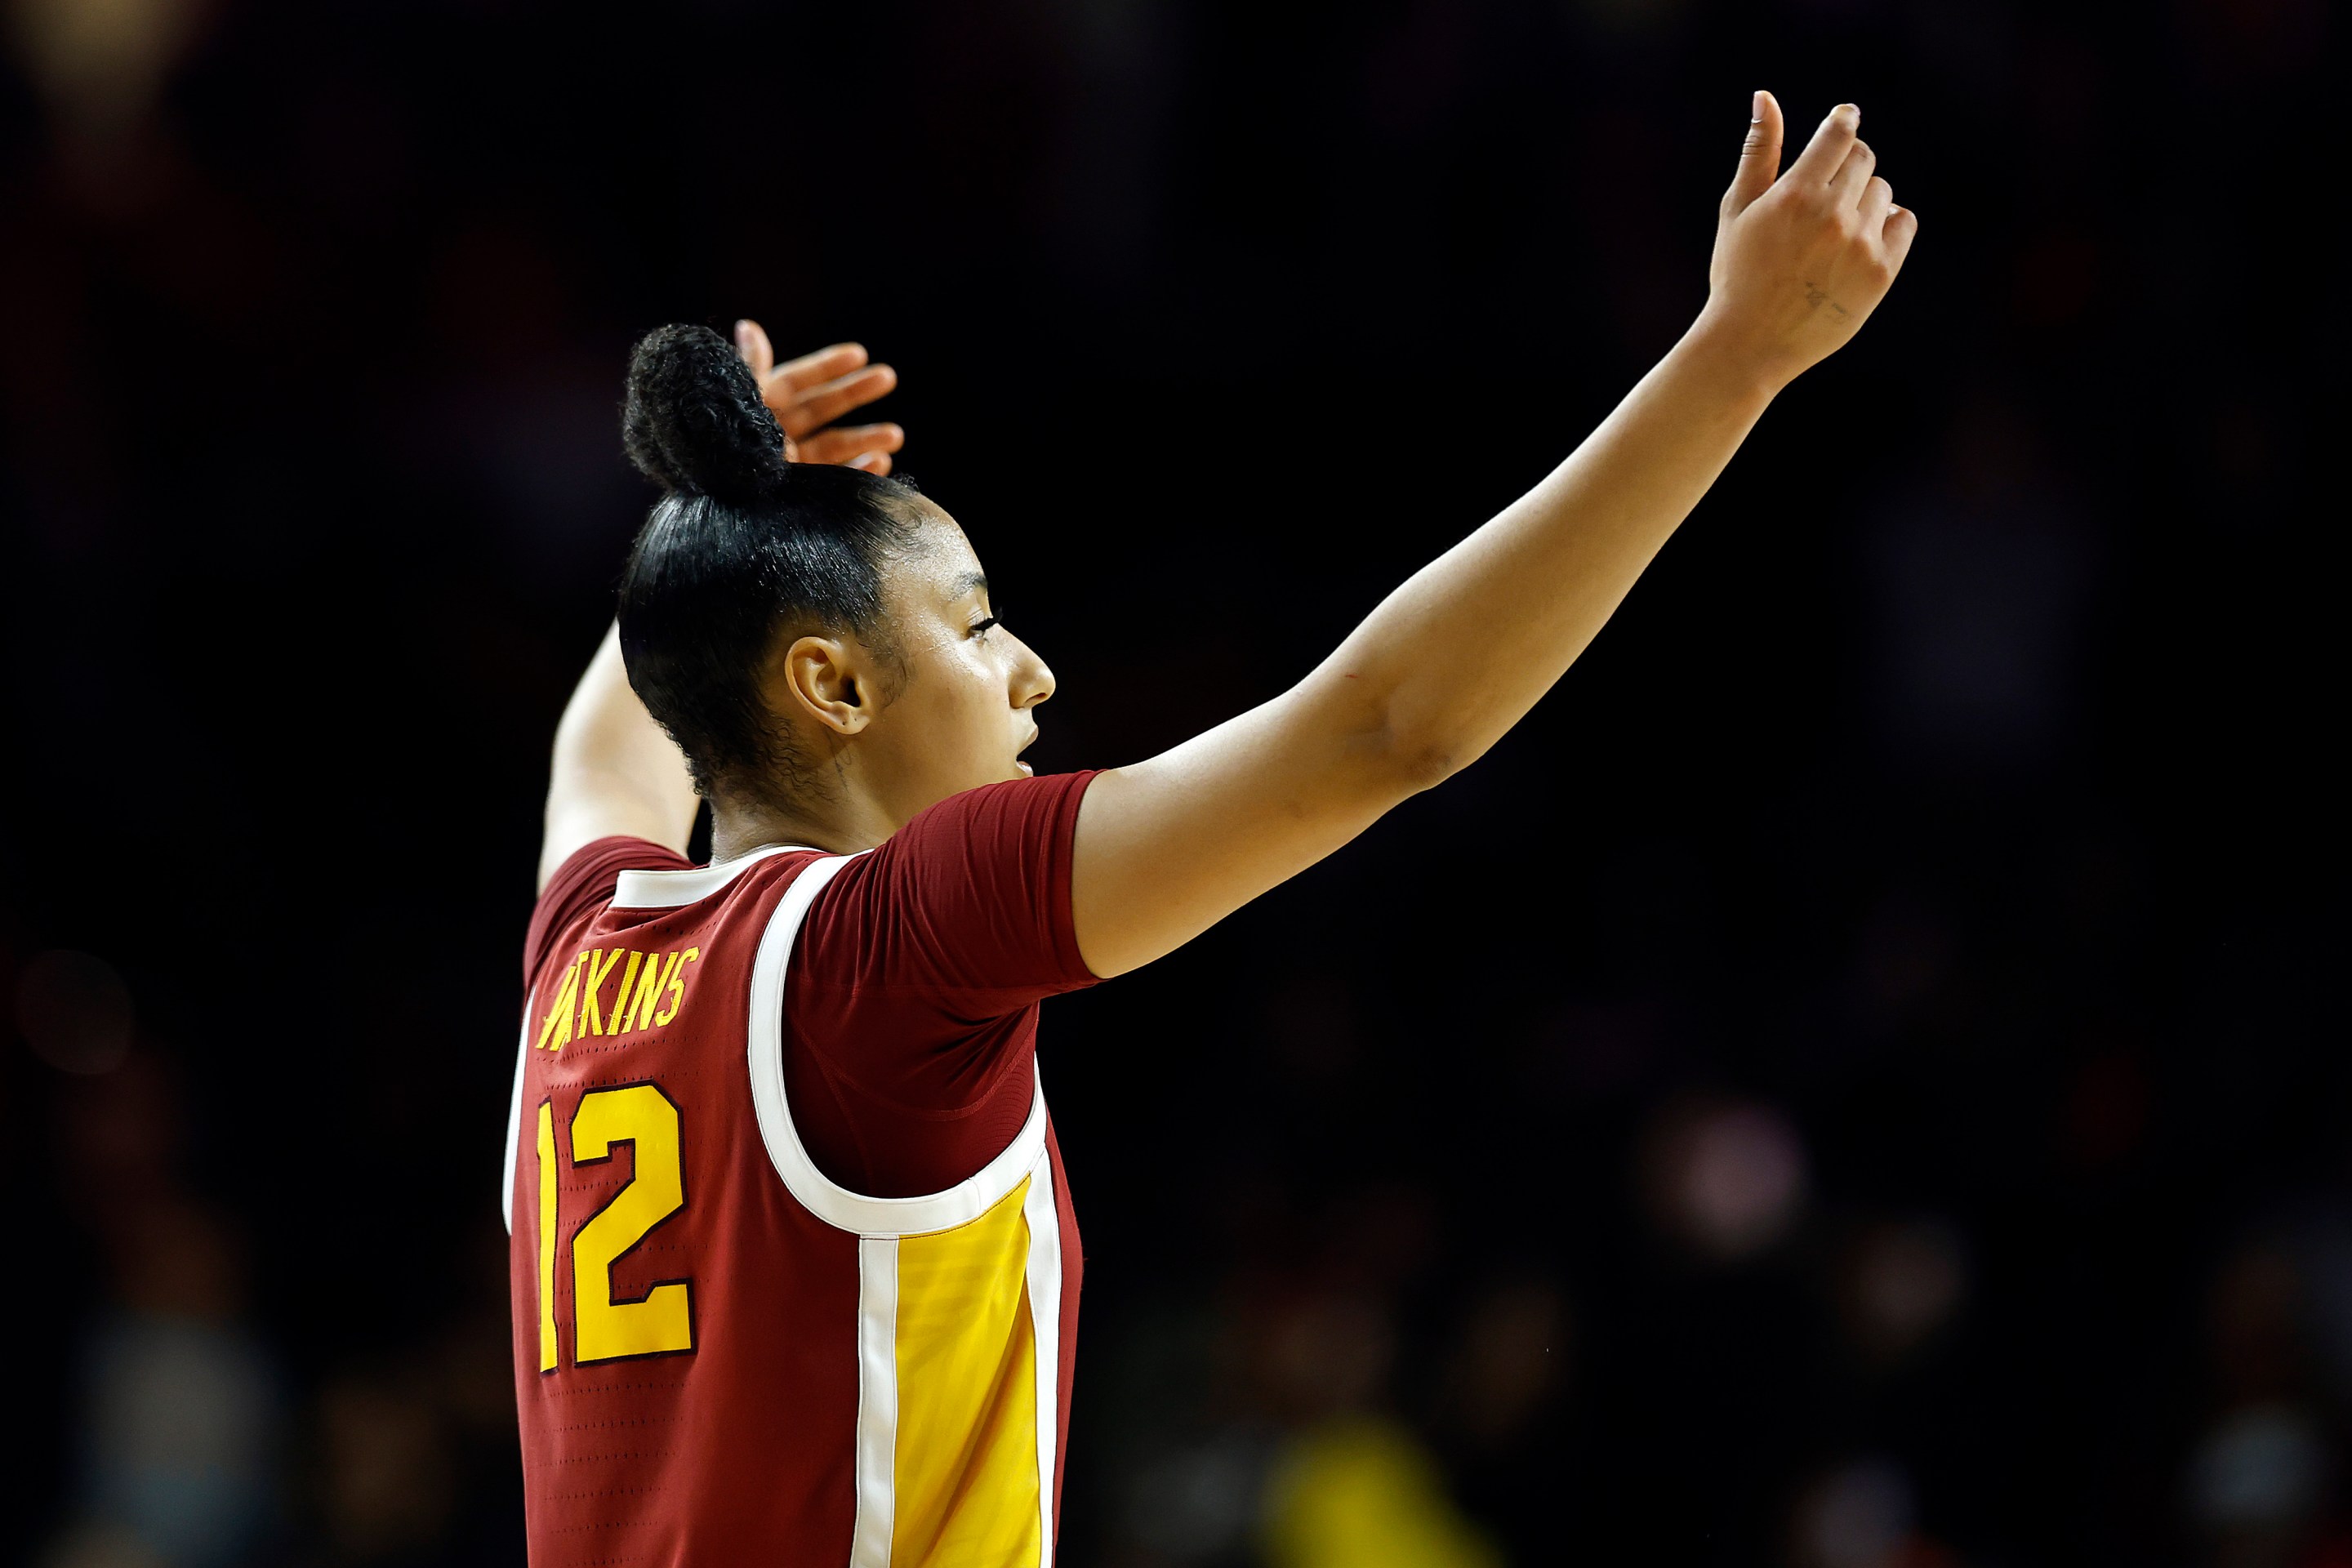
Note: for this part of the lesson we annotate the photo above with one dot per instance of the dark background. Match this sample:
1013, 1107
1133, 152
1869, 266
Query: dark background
1856, 1081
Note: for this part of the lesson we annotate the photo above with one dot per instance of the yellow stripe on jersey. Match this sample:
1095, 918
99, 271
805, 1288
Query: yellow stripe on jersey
965, 1479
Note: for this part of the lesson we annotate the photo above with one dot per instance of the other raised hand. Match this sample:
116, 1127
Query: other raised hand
808, 393
1801, 259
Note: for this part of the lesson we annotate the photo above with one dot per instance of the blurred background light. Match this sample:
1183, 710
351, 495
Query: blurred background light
1730, 1180
1904, 1283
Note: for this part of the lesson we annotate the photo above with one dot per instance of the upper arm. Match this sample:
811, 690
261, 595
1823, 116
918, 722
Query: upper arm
615, 772
1168, 847
585, 803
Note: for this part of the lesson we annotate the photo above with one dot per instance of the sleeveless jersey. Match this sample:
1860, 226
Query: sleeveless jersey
721, 1355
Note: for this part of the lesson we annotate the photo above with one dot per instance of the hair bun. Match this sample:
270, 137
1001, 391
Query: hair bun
694, 422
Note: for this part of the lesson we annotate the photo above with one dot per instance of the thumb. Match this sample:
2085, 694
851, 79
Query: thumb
1759, 158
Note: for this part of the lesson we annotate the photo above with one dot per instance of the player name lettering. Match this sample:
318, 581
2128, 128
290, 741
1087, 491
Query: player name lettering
651, 989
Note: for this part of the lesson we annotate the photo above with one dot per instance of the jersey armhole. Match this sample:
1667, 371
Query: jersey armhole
835, 1205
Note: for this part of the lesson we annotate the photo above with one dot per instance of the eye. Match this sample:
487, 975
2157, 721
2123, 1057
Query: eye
979, 629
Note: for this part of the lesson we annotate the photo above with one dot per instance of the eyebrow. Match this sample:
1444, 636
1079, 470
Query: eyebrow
968, 581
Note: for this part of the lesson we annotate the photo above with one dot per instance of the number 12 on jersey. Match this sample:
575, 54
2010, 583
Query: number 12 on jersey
661, 1322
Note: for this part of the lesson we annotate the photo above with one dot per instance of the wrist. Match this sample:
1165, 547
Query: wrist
1717, 349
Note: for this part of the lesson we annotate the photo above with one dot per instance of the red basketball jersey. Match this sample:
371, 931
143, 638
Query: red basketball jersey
720, 1354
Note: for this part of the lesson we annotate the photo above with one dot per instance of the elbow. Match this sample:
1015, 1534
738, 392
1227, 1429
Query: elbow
1420, 768
1419, 758
1394, 743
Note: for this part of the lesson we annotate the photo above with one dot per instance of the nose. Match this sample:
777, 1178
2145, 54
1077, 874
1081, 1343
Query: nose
1033, 679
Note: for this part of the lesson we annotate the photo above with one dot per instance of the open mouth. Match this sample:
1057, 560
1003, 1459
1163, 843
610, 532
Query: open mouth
1026, 770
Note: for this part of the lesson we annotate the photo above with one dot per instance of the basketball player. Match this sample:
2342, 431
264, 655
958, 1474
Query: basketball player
794, 1271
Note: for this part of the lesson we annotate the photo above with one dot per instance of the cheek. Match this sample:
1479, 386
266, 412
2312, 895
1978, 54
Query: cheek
958, 713
982, 703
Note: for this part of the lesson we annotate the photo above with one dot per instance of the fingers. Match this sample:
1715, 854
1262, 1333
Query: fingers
849, 443
751, 342
1759, 155
1877, 201
801, 412
1828, 149
1853, 178
1902, 228
808, 393
826, 365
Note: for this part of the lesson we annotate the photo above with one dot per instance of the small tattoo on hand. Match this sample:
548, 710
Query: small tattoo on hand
1816, 299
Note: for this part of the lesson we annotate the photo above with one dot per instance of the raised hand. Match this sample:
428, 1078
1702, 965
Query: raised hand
1802, 259
808, 393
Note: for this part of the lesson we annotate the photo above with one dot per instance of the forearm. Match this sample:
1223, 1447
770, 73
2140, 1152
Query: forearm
615, 771
1430, 680
1470, 643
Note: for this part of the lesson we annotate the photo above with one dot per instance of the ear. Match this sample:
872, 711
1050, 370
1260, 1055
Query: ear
831, 681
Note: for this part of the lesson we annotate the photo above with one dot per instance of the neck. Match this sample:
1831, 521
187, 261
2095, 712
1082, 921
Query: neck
839, 827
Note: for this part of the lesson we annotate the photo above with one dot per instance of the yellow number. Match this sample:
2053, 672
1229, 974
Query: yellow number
603, 1328
546, 1235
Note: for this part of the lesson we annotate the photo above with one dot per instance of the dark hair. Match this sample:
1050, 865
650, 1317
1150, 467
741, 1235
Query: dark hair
743, 546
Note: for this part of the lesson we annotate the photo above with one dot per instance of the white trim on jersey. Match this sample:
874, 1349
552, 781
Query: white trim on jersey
668, 890
1046, 1329
877, 1401
514, 1113
837, 1206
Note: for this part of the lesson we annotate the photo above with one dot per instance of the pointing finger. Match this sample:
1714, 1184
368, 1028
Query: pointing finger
1759, 155
1853, 176
1827, 149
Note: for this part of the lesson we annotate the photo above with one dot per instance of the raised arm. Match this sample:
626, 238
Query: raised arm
614, 772
1457, 655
